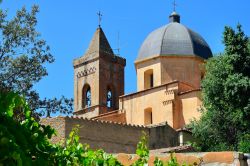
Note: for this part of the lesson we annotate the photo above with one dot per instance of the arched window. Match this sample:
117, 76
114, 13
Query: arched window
148, 116
109, 98
148, 79
86, 98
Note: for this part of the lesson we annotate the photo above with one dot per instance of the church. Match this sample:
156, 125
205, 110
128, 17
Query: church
169, 68
169, 72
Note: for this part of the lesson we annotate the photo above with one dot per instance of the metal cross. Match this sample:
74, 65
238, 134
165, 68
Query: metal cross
99, 18
174, 4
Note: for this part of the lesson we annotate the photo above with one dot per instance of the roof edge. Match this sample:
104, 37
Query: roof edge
168, 56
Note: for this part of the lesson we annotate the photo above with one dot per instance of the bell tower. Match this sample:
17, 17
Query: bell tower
98, 78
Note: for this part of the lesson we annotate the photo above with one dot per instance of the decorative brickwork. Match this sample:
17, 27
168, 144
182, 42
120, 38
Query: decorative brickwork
86, 72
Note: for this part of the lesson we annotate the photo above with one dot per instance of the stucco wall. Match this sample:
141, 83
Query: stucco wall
141, 68
190, 104
158, 98
167, 102
181, 68
169, 68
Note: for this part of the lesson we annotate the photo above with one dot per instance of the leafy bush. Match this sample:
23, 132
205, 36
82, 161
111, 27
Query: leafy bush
158, 162
142, 151
24, 143
27, 142
74, 153
171, 162
244, 144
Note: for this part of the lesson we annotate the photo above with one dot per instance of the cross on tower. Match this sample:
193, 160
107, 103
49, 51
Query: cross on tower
174, 4
99, 18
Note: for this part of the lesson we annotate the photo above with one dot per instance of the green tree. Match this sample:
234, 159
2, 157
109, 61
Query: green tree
23, 55
226, 96
22, 143
27, 142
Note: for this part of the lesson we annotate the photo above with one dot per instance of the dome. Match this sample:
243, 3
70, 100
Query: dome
174, 39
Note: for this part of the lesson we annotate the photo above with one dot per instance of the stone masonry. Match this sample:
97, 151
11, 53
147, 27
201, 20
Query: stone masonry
113, 137
102, 71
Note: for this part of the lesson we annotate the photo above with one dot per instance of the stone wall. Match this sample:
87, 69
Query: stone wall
162, 136
58, 124
113, 137
120, 139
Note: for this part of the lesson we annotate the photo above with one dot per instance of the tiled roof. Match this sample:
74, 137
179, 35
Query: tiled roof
174, 39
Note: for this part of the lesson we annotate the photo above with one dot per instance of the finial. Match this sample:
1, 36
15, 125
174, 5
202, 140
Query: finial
174, 17
99, 18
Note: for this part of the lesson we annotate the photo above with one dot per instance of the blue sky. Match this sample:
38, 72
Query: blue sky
68, 27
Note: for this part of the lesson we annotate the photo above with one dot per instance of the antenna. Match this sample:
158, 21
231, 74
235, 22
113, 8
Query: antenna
118, 44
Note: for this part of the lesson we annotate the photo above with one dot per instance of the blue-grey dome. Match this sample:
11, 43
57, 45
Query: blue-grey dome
174, 39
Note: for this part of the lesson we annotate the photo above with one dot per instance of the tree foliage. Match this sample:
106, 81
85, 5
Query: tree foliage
27, 142
24, 143
23, 55
226, 96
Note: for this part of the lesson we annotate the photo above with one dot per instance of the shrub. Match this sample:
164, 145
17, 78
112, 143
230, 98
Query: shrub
244, 144
75, 153
22, 143
142, 151
26, 142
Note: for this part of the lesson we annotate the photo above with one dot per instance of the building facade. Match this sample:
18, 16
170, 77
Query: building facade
169, 70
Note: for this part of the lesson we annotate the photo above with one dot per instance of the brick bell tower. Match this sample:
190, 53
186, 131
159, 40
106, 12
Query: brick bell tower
98, 78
